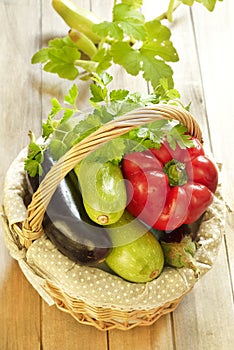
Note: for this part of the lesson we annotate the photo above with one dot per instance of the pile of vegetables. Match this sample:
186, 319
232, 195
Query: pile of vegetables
126, 198
132, 203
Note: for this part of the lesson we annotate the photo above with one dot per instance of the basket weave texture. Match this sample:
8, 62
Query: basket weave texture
91, 295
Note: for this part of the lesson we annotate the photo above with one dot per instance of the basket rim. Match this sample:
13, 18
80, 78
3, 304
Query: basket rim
106, 318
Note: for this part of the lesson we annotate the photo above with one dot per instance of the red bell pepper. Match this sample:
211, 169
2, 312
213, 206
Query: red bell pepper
167, 188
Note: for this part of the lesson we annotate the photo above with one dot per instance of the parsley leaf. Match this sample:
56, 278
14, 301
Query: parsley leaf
159, 41
41, 56
130, 60
103, 58
112, 151
35, 157
209, 4
165, 94
134, 29
123, 12
155, 68
50, 125
148, 57
109, 29
118, 95
98, 94
99, 88
177, 135
72, 95
59, 58
84, 128
147, 136
62, 57
130, 21
57, 148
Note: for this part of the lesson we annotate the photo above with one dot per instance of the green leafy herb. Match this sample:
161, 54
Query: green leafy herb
65, 132
209, 4
165, 94
144, 137
112, 151
127, 40
146, 45
58, 127
35, 157
51, 125
118, 95
130, 20
177, 135
174, 4
153, 134
57, 148
140, 47
59, 58
134, 3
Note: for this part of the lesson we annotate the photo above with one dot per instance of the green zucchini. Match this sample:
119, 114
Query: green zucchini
77, 18
103, 191
136, 256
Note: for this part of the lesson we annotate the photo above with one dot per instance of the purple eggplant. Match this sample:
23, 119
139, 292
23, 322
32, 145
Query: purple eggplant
67, 224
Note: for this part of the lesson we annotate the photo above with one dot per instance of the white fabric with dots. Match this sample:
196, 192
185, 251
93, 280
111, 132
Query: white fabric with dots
98, 287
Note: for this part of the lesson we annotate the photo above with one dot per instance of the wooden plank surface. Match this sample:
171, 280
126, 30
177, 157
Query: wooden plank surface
201, 314
203, 77
20, 103
217, 81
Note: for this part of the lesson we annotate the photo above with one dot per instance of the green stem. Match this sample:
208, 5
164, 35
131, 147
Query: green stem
89, 66
170, 10
176, 172
31, 136
114, 4
173, 5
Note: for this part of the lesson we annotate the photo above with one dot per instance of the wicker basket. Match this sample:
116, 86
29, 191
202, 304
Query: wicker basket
21, 236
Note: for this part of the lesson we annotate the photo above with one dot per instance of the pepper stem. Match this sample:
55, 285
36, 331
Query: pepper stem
176, 172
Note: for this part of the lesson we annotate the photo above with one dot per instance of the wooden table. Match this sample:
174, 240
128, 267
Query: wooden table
204, 75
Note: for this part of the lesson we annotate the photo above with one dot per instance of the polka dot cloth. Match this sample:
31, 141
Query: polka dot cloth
99, 287
14, 190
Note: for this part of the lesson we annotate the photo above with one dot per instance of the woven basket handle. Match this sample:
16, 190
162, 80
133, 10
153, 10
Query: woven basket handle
32, 226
